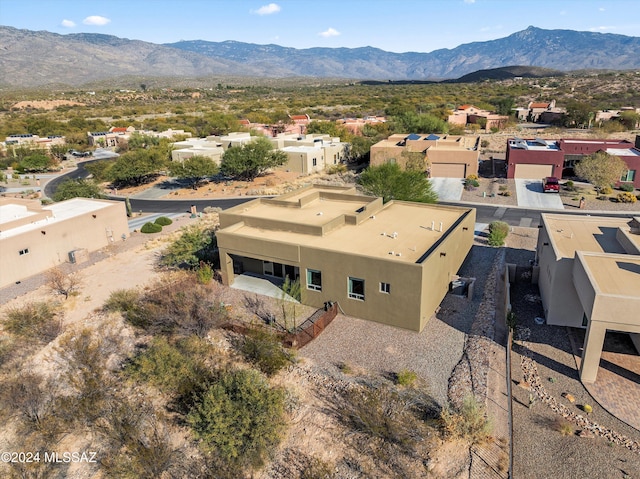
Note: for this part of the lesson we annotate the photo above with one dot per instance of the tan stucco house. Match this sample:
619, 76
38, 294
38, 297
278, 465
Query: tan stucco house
35, 238
589, 276
391, 263
449, 156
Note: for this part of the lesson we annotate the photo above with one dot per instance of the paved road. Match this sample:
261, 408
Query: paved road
527, 217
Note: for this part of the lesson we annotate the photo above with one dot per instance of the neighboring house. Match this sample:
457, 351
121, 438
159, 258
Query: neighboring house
449, 156
306, 153
603, 116
469, 114
589, 277
355, 125
391, 263
115, 136
537, 158
300, 123
541, 112
33, 141
34, 238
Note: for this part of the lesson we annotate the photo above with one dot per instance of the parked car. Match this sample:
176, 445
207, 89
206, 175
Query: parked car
550, 184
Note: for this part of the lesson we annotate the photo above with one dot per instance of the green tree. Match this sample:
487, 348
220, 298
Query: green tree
240, 418
99, 169
58, 152
35, 163
601, 169
194, 169
251, 160
137, 167
419, 123
578, 114
79, 188
392, 183
194, 245
504, 106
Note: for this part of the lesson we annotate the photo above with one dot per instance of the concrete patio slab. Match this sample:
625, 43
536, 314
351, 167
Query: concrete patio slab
531, 195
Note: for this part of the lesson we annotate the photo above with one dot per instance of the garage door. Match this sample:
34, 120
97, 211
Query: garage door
448, 170
533, 171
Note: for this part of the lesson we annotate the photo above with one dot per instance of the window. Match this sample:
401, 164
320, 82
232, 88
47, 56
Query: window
314, 280
22, 252
630, 175
385, 288
356, 288
315, 162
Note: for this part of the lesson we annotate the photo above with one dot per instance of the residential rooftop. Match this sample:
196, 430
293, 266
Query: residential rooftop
571, 233
350, 223
610, 274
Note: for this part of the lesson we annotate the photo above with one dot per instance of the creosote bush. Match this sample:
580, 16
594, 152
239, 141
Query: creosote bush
406, 377
563, 426
239, 418
37, 321
469, 423
163, 221
498, 231
264, 350
151, 228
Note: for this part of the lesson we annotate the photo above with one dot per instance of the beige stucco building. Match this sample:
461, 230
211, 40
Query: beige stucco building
391, 263
34, 238
589, 276
449, 156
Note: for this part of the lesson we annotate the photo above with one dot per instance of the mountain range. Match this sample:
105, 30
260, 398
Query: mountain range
31, 59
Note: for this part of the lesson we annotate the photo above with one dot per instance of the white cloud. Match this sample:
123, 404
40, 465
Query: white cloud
267, 9
603, 28
330, 32
68, 23
469, 2
601, 9
96, 20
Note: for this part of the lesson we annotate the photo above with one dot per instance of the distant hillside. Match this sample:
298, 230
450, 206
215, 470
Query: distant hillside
29, 58
505, 73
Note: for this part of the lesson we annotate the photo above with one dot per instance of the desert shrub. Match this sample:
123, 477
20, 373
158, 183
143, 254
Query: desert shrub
204, 273
63, 283
336, 169
195, 244
168, 367
406, 377
31, 396
185, 307
163, 221
569, 185
586, 408
239, 418
122, 300
562, 426
317, 469
381, 412
150, 228
626, 197
485, 143
470, 422
263, 349
498, 231
627, 187
471, 183
472, 177
37, 320
606, 190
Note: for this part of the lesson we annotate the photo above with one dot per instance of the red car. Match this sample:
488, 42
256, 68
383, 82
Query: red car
550, 183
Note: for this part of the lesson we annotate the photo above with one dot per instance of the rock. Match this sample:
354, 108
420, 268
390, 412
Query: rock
587, 434
525, 385
569, 397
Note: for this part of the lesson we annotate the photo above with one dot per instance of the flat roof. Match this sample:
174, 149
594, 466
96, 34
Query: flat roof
60, 212
623, 151
12, 212
571, 233
399, 231
617, 275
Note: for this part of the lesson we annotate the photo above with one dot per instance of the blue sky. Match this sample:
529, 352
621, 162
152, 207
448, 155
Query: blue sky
392, 25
